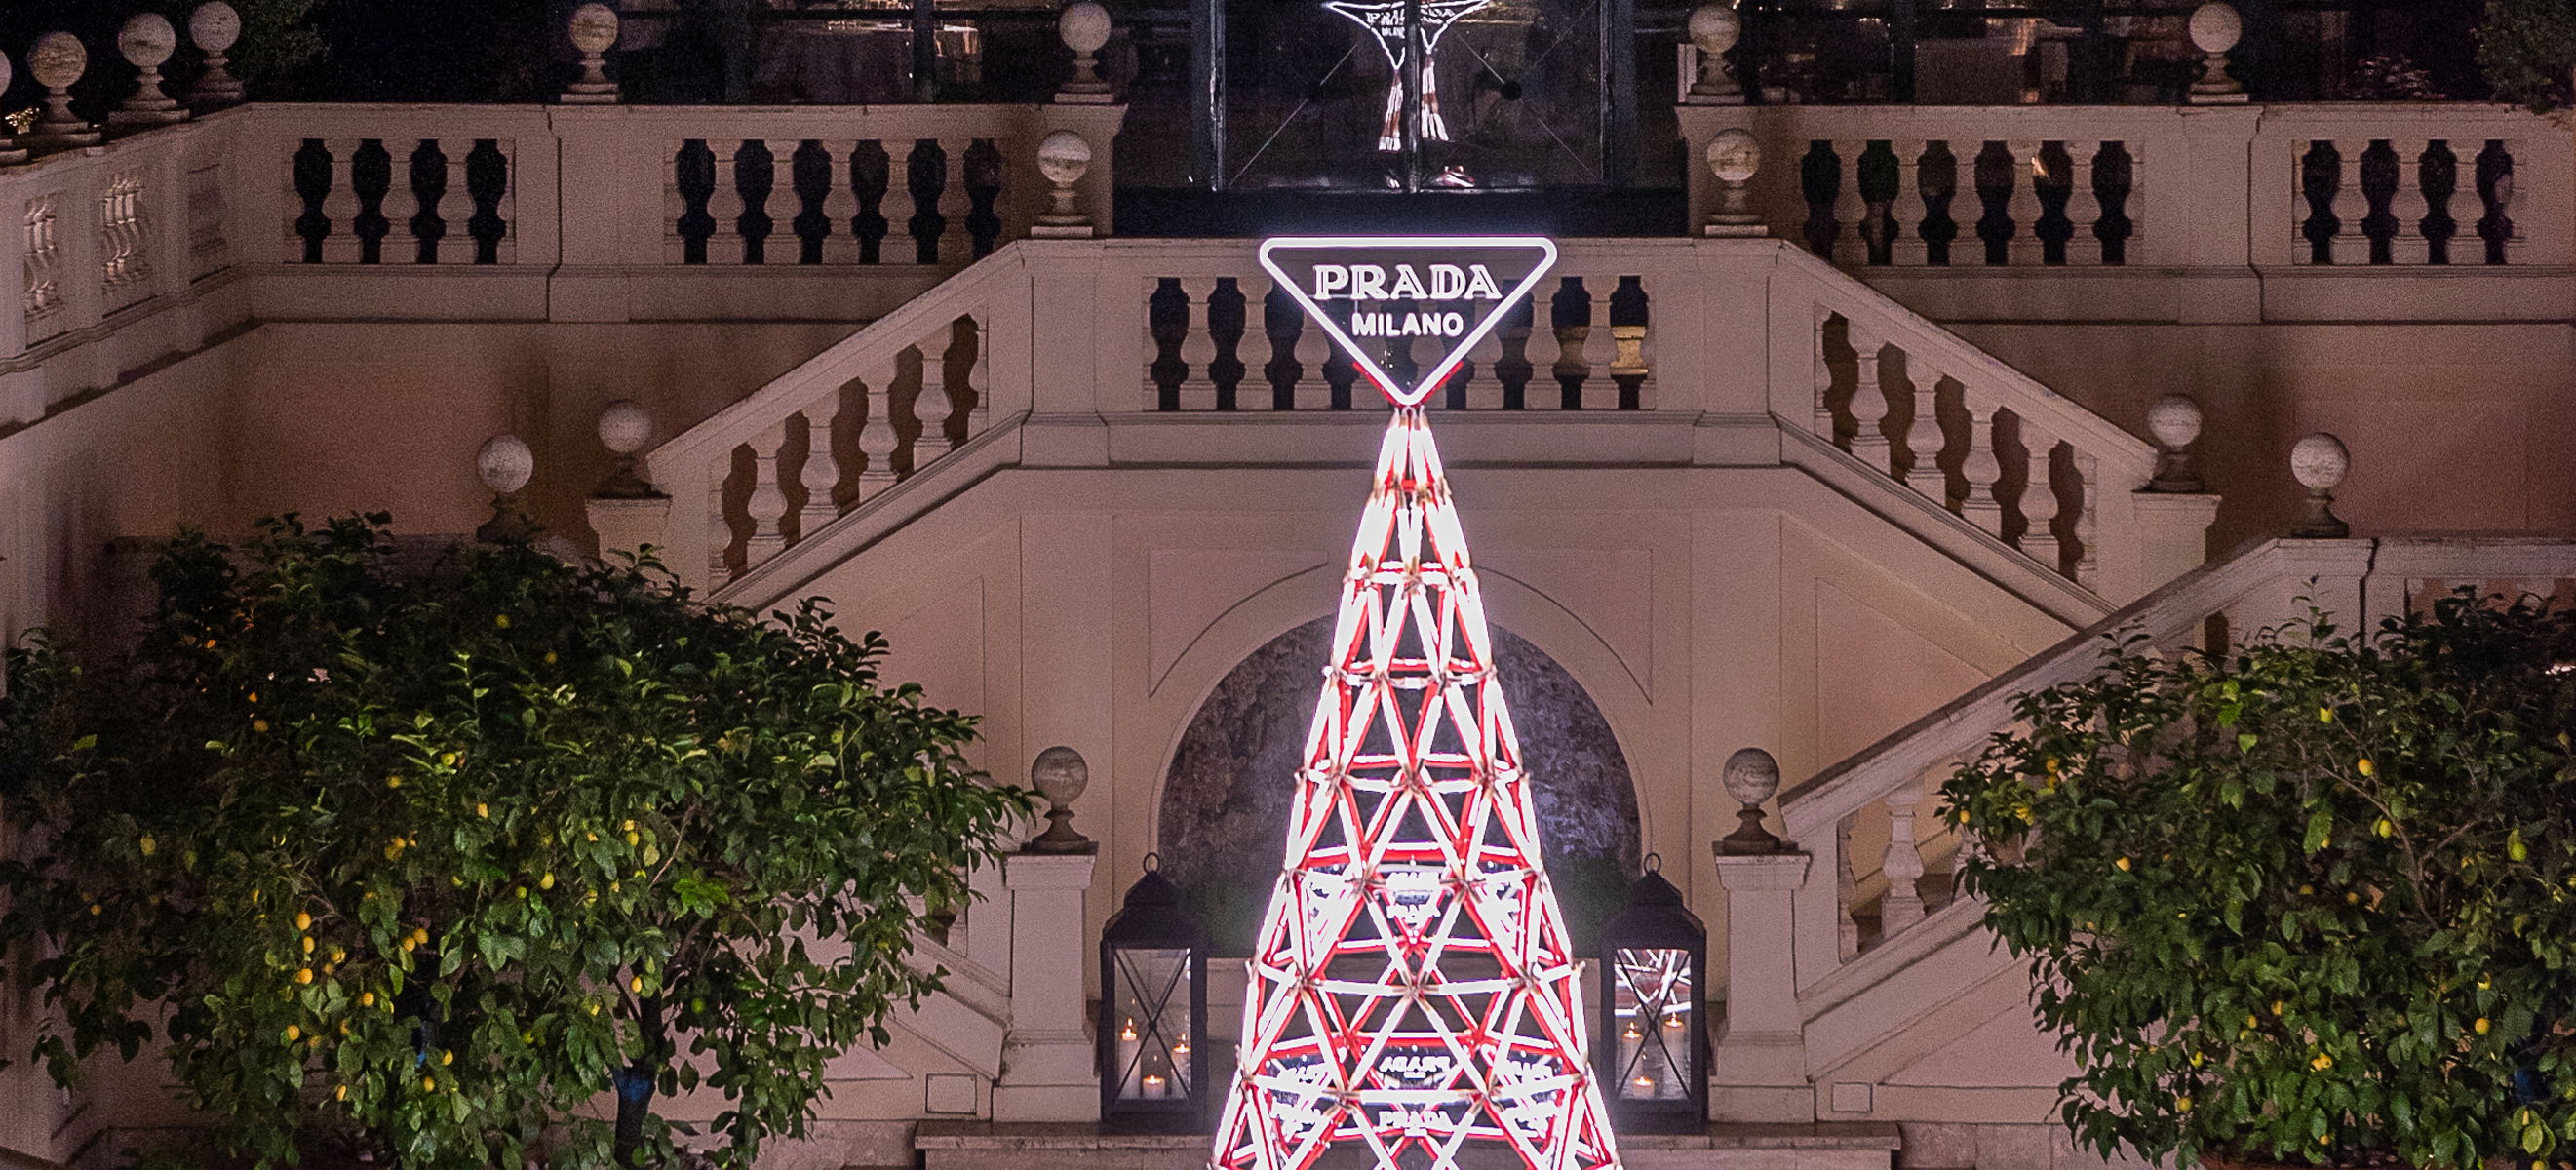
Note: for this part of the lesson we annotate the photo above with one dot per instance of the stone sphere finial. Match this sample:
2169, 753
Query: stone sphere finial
1060, 775
1064, 157
594, 28
2216, 27
505, 464
57, 60
1084, 26
624, 428
1715, 28
214, 26
2320, 462
2175, 422
147, 40
1734, 155
1751, 776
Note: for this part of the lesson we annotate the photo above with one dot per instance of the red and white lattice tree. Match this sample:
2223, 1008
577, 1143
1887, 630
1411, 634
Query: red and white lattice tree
1413, 986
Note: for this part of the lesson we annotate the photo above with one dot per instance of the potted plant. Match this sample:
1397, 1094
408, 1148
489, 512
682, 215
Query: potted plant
2312, 901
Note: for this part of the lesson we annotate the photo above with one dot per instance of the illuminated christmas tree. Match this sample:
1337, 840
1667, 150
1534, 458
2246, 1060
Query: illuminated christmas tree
1413, 987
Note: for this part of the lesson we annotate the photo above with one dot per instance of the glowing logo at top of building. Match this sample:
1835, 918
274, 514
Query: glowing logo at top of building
1374, 295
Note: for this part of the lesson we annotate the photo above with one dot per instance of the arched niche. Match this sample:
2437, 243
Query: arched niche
1225, 802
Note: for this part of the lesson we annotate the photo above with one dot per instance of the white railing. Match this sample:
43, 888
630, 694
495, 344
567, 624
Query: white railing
2344, 184
1186, 330
1881, 861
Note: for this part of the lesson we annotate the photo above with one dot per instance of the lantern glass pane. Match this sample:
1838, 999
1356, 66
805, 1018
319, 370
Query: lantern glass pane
1151, 1002
1651, 1002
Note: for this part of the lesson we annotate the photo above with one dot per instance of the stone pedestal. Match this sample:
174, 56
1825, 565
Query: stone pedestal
627, 525
1047, 1068
1758, 1070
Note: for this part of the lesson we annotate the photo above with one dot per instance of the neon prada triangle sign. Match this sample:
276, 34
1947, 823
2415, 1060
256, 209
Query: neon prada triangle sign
1377, 296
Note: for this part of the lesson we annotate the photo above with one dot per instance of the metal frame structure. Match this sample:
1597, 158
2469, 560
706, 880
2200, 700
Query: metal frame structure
1413, 987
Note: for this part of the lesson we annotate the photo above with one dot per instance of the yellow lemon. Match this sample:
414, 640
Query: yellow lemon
293, 1033
408, 944
550, 657
2325, 1139
304, 975
2278, 1004
2384, 827
366, 999
429, 1084
393, 781
303, 921
147, 845
594, 1008
2365, 767
482, 810
340, 1094
2122, 865
632, 838
420, 934
2325, 714
635, 984
95, 909
308, 944
2482, 1025
546, 881
2182, 1104
2322, 1062
259, 725
2195, 1060
501, 621
2250, 1021
446, 1058
628, 826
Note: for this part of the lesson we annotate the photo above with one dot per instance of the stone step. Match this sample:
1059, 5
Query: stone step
985, 1145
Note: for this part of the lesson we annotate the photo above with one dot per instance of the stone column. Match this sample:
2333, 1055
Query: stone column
1758, 1071
1047, 1068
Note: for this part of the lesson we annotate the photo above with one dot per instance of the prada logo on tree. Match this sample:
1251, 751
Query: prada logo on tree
1373, 295
1413, 988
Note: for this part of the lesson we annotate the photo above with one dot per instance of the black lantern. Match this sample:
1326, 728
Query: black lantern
1653, 1045
1153, 1013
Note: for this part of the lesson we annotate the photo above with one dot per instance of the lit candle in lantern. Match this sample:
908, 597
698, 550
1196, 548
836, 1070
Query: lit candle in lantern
1630, 1040
1643, 1084
1128, 1064
1155, 1087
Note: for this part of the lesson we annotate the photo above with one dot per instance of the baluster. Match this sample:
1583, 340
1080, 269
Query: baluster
2087, 565
340, 203
2437, 174
822, 474
719, 526
428, 186
1569, 314
1167, 322
768, 503
1936, 183
1226, 322
877, 439
1513, 370
871, 172
809, 176
1340, 372
1869, 405
2115, 178
2379, 195
1629, 313
1879, 177
2027, 207
1923, 439
1903, 865
1293, 347
755, 176
1997, 177
693, 176
1820, 179
983, 187
1826, 425
2495, 191
925, 173
956, 203
1979, 503
2039, 503
2320, 178
2408, 207
979, 400
371, 177
1198, 343
1486, 394
1846, 891
2052, 184
487, 184
2351, 205
310, 176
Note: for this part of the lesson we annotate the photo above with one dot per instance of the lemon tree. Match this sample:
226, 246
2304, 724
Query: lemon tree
2306, 902
475, 858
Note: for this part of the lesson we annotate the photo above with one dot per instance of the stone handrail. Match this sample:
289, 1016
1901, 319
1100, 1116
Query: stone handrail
2266, 586
2265, 186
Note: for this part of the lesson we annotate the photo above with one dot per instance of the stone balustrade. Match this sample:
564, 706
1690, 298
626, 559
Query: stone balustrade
1864, 884
2340, 185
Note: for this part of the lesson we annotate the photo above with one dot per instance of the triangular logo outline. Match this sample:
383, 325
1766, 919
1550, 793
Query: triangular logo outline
1458, 352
